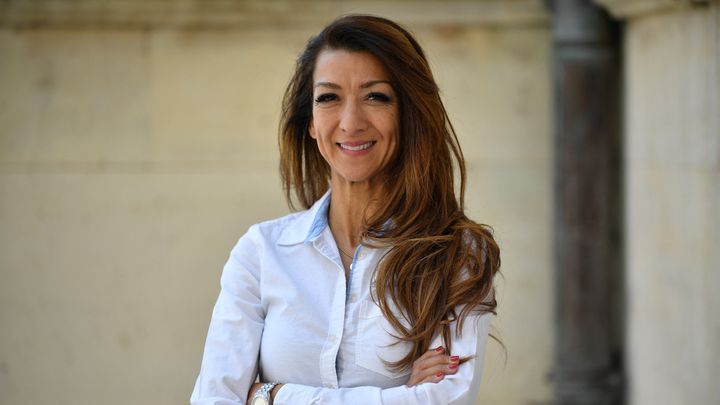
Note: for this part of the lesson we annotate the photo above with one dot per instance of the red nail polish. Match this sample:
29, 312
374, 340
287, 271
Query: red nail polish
439, 349
438, 375
452, 366
454, 358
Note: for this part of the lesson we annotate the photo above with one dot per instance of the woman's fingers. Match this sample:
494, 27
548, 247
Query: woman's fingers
433, 358
433, 378
432, 374
433, 366
448, 367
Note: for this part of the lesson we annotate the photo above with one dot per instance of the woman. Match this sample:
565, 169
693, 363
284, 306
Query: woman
382, 289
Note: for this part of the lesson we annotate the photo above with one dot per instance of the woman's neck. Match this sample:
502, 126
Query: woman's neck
350, 205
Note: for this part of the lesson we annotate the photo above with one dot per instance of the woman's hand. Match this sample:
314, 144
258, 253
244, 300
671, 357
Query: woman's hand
433, 366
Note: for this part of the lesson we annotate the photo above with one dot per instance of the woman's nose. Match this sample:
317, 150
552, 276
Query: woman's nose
353, 120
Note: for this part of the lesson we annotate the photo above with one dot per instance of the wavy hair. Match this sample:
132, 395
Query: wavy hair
441, 265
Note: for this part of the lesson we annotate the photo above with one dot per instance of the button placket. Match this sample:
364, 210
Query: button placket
336, 322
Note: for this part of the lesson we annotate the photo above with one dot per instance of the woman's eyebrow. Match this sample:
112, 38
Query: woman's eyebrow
327, 84
365, 85
373, 82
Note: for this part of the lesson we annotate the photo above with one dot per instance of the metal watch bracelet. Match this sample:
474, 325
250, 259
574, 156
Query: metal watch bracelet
264, 393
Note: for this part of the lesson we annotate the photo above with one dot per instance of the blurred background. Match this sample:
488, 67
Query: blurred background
138, 141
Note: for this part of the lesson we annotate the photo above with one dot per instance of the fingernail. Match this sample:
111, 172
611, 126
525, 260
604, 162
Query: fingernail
439, 375
439, 349
454, 358
452, 366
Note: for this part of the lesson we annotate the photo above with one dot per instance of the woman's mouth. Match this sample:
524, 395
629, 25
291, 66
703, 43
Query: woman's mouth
356, 146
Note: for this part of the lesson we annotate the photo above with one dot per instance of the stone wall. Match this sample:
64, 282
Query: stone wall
138, 142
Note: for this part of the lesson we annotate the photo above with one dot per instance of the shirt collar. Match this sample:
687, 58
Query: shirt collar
308, 224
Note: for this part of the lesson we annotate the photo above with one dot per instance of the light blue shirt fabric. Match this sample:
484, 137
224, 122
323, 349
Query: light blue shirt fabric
287, 313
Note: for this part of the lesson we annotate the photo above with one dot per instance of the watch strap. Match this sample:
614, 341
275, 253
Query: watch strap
264, 392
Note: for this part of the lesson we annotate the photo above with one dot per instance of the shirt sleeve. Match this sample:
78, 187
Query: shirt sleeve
460, 388
230, 359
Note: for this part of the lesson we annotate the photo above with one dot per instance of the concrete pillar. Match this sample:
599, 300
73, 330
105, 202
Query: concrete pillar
586, 83
672, 154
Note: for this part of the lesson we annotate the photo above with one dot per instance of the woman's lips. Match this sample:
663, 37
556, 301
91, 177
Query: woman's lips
356, 146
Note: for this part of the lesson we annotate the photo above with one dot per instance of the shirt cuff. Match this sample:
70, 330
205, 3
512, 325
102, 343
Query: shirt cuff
294, 394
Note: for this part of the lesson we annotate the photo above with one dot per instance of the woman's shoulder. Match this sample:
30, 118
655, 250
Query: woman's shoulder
290, 228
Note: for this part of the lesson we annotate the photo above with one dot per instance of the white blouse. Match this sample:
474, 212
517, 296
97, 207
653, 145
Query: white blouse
286, 313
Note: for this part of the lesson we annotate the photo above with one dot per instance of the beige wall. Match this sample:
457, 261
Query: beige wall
496, 86
673, 205
132, 159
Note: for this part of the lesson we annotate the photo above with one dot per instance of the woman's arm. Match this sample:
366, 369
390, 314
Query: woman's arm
432, 367
230, 360
457, 389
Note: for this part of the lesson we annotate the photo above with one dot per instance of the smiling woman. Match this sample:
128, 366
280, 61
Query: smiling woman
381, 291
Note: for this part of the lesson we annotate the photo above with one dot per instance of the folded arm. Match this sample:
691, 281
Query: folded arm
457, 389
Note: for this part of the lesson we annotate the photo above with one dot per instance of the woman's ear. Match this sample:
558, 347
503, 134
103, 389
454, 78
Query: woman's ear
311, 130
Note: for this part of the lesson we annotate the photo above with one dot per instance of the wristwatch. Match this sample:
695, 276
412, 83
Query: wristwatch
262, 396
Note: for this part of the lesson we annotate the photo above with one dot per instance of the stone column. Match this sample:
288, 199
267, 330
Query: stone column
586, 83
672, 195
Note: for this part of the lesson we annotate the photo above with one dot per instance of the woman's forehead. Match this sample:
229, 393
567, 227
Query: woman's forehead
341, 68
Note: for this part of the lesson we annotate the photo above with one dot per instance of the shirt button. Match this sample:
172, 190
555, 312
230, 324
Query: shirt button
353, 297
362, 254
333, 339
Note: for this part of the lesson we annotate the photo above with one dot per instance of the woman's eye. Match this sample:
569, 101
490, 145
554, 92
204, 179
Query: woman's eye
379, 97
323, 98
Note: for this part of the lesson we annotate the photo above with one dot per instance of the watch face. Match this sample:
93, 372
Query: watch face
259, 401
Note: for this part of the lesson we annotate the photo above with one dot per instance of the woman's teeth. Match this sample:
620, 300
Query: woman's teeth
358, 147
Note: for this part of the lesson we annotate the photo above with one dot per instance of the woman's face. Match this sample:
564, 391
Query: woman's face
354, 116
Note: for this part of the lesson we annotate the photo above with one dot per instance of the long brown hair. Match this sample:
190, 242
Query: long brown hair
439, 261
